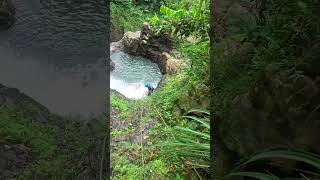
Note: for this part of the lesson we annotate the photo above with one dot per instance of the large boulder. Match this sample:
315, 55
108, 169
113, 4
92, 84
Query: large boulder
169, 64
147, 44
151, 42
7, 12
131, 42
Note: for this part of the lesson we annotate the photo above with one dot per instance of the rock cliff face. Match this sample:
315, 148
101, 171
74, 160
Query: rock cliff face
17, 155
13, 97
7, 12
281, 110
156, 48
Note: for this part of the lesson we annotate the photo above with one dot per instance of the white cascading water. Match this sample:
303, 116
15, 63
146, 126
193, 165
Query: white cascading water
130, 74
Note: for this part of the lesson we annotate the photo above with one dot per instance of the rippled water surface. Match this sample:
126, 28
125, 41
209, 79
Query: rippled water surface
55, 53
131, 73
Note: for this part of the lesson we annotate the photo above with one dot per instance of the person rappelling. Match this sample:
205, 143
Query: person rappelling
150, 88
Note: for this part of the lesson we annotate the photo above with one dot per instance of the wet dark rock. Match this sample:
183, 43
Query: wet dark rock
7, 12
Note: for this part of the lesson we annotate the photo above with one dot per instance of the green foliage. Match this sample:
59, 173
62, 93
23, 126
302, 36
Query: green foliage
41, 138
297, 155
54, 150
198, 53
278, 36
122, 132
271, 33
153, 4
274, 32
14, 128
183, 18
169, 95
179, 93
128, 170
176, 87
119, 103
190, 142
127, 15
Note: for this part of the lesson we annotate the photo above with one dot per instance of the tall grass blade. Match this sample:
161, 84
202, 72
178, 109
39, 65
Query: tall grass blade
191, 143
199, 111
202, 121
197, 133
304, 156
257, 175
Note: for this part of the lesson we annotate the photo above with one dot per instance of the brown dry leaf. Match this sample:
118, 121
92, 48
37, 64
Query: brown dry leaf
135, 152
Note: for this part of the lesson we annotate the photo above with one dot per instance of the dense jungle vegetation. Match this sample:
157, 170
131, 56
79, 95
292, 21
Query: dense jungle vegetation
264, 63
264, 82
177, 144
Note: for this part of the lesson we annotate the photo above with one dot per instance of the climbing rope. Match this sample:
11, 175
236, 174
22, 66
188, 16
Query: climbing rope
141, 142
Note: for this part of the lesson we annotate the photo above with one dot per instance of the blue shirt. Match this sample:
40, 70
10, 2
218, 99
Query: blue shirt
148, 85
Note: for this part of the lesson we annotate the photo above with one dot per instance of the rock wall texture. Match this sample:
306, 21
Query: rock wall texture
156, 48
13, 158
281, 110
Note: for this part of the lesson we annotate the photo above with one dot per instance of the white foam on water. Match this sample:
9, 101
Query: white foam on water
131, 73
129, 90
